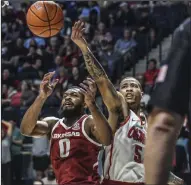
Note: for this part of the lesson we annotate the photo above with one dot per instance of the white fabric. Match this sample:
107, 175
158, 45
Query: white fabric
121, 165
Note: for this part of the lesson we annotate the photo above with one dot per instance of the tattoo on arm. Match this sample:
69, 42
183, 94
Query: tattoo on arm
93, 66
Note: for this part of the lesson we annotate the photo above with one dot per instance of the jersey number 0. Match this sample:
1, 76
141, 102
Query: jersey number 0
64, 145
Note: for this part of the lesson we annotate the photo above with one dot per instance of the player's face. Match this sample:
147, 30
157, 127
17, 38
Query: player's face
72, 102
131, 90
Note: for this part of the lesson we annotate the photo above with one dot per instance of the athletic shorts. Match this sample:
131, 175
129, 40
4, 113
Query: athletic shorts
173, 84
41, 163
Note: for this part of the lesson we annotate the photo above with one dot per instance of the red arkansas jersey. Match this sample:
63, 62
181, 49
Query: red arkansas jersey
74, 154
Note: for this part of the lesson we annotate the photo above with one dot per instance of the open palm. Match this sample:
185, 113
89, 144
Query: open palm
77, 35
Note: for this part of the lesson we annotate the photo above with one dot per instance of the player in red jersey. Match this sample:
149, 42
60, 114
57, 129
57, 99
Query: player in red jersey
76, 138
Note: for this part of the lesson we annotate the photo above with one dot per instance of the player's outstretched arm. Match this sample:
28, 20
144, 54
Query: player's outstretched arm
98, 125
106, 88
30, 126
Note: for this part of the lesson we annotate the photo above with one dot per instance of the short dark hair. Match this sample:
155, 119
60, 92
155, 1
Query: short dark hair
128, 78
74, 87
153, 60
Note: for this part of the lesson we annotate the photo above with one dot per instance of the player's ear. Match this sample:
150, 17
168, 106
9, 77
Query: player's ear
142, 93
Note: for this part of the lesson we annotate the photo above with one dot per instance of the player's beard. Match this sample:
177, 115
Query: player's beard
68, 113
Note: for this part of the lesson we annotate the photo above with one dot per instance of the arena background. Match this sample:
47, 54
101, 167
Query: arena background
128, 38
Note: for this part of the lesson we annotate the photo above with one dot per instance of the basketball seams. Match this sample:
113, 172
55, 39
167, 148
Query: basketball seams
37, 15
49, 30
55, 13
47, 25
47, 18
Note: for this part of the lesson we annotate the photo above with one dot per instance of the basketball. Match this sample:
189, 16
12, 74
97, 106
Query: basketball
45, 18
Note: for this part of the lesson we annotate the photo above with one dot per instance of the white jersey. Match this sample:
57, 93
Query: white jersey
124, 157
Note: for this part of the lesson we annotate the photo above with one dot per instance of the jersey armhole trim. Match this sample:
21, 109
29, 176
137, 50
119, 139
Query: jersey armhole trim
53, 128
124, 122
85, 134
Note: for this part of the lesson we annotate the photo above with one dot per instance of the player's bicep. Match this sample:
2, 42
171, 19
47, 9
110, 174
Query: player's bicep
44, 127
41, 128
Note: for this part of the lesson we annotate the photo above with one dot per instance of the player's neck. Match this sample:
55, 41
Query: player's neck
136, 110
69, 121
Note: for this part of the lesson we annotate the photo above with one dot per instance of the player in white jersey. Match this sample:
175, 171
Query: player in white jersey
124, 158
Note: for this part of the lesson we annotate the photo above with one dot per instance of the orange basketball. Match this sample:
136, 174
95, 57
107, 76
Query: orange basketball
45, 18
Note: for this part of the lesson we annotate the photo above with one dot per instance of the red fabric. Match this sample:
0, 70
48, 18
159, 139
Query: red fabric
73, 156
174, 160
111, 182
150, 76
16, 99
67, 59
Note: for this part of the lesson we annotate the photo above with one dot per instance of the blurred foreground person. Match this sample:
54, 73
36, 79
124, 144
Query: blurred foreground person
170, 102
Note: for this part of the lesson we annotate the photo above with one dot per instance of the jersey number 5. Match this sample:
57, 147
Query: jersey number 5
137, 155
64, 145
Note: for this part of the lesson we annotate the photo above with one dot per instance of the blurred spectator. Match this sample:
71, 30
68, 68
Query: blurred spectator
63, 77
76, 78
67, 42
19, 48
22, 12
31, 65
150, 75
70, 53
50, 177
23, 97
6, 133
126, 43
125, 16
58, 61
41, 160
74, 62
53, 46
125, 47
12, 33
5, 100
16, 146
34, 41
144, 21
182, 151
111, 60
7, 78
99, 33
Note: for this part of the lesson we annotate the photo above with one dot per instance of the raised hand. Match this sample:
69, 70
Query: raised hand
46, 87
89, 89
77, 35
